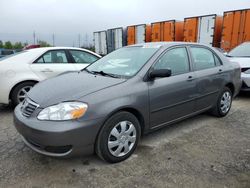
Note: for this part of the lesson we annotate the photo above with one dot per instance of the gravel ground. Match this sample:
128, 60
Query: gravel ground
203, 151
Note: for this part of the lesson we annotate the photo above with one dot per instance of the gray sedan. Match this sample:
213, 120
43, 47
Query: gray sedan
106, 107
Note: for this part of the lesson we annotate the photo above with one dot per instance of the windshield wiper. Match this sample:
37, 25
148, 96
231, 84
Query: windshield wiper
101, 73
88, 71
106, 74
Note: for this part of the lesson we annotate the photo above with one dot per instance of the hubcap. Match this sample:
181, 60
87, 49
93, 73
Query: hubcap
122, 139
225, 102
22, 93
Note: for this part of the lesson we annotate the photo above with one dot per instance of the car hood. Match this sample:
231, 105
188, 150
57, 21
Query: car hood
244, 62
69, 87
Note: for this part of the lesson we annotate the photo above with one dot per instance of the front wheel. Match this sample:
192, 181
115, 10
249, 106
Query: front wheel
118, 138
20, 91
224, 103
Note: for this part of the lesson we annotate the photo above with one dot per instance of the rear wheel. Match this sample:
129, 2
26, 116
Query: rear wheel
118, 138
224, 103
19, 92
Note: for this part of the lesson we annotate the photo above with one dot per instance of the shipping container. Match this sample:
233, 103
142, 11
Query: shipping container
100, 41
138, 34
236, 28
203, 29
116, 38
167, 31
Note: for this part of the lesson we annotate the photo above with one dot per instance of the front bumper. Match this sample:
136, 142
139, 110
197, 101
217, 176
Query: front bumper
58, 138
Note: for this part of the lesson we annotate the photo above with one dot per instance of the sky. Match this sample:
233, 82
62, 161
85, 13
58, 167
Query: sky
70, 20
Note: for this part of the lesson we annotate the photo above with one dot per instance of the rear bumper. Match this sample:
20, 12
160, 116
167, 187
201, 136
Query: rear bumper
58, 139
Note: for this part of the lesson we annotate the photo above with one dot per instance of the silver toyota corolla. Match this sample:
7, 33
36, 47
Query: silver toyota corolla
106, 107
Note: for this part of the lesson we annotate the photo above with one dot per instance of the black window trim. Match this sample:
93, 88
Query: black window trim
207, 48
41, 56
167, 50
73, 60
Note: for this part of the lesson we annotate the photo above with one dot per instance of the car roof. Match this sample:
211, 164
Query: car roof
166, 44
43, 49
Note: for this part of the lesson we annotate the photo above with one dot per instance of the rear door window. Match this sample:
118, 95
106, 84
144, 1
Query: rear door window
202, 58
55, 56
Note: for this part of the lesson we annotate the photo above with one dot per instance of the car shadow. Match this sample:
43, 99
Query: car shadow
6, 108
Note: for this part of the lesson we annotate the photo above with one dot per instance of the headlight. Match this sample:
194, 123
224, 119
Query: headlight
63, 111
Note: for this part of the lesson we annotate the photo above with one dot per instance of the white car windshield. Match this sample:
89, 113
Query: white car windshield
242, 50
125, 62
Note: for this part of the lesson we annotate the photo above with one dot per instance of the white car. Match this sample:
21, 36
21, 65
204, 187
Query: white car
21, 71
241, 55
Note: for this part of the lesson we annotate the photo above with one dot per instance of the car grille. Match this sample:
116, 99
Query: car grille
28, 107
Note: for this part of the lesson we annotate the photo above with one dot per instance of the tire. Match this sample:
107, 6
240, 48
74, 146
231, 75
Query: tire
218, 111
124, 138
19, 90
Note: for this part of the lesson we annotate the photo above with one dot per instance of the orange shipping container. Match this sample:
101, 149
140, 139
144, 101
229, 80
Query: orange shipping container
167, 31
203, 29
236, 28
138, 34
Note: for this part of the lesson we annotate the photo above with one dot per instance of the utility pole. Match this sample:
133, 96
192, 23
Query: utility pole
53, 39
34, 37
87, 40
79, 40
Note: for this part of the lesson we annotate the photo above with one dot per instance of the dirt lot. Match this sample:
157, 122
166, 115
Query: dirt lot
200, 152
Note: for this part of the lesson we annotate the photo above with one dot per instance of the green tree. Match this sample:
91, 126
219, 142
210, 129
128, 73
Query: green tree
18, 45
8, 45
43, 43
1, 44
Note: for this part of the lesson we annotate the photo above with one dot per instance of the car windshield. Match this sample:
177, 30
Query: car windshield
242, 50
124, 62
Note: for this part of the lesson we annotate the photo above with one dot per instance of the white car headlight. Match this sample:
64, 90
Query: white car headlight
63, 111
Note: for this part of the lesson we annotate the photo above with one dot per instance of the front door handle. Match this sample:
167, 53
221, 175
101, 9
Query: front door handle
190, 78
46, 70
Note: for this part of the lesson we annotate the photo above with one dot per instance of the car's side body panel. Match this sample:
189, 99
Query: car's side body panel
171, 98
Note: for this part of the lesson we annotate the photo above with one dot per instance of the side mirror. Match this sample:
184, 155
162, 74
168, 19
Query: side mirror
160, 73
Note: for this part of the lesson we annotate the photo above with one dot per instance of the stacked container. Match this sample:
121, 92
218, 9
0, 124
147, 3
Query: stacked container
236, 28
100, 40
203, 29
138, 34
167, 31
116, 38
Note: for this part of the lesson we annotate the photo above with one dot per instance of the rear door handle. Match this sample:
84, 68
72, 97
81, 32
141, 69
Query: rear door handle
46, 70
190, 78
